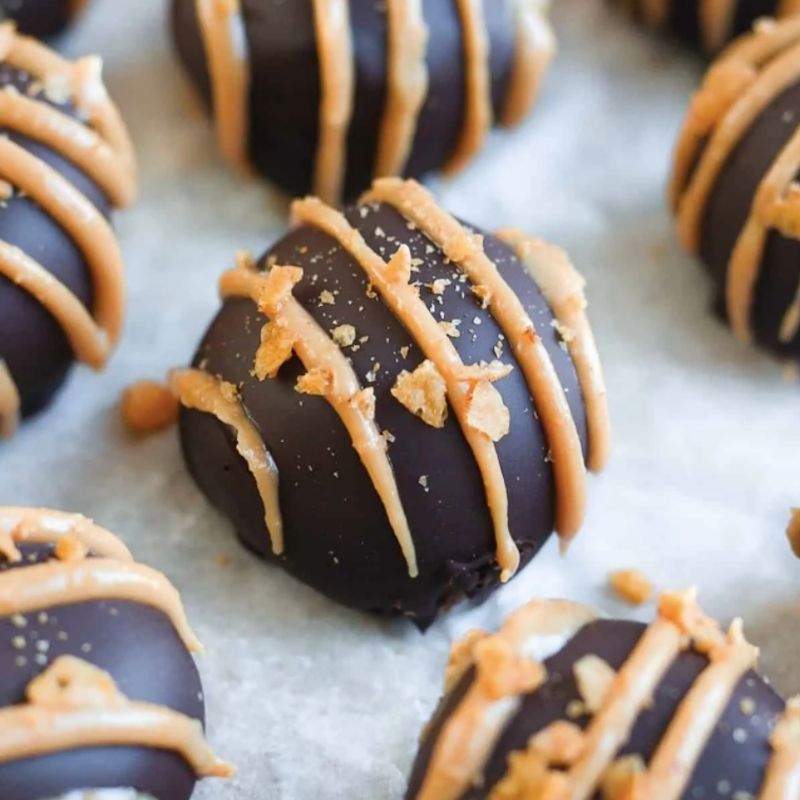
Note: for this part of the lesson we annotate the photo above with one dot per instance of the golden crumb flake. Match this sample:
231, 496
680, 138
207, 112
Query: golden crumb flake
560, 743
502, 673
364, 402
631, 586
344, 335
594, 678
566, 333
439, 285
793, 531
278, 288
318, 381
69, 548
245, 260
424, 393
486, 411
148, 407
277, 343
6, 190
326, 298
450, 328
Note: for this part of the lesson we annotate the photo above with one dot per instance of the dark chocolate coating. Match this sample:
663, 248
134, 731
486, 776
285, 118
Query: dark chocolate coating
741, 766
729, 207
338, 539
285, 91
32, 343
684, 18
40, 18
139, 647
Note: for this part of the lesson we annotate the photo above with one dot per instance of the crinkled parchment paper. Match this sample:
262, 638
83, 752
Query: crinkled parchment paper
313, 701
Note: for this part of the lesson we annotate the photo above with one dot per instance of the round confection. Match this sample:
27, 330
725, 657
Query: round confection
63, 140
380, 497
562, 704
40, 18
116, 648
704, 25
733, 186
322, 96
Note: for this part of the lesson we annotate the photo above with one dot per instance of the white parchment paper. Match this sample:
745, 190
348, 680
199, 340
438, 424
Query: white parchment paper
313, 701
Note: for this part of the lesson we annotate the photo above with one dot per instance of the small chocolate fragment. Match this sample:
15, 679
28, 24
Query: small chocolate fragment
40, 18
734, 187
98, 689
706, 24
65, 160
561, 704
321, 96
389, 406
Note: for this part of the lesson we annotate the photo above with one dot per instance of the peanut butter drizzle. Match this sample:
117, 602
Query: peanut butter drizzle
224, 37
392, 283
337, 82
788, 7
679, 751
782, 781
535, 49
563, 288
318, 351
681, 624
407, 88
9, 403
45, 526
101, 148
466, 251
59, 583
74, 704
478, 112
735, 92
203, 392
529, 636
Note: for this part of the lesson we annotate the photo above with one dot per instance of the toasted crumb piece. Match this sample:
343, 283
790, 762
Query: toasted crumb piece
793, 531
631, 586
486, 411
344, 335
560, 743
483, 294
68, 548
594, 678
317, 381
424, 393
326, 298
148, 407
277, 343
6, 190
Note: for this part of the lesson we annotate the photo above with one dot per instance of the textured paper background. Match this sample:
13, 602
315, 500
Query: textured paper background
314, 701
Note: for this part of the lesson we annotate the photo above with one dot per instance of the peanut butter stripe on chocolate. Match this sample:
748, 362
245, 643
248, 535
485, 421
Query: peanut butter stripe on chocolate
233, 55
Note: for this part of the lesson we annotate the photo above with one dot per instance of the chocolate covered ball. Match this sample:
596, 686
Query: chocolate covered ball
395, 407
706, 24
561, 704
41, 18
324, 95
98, 689
734, 187
65, 160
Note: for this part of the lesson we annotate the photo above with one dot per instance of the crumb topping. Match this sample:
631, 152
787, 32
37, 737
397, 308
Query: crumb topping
424, 393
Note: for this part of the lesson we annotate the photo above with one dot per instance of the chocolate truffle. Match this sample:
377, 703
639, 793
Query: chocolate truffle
324, 95
734, 187
707, 24
395, 407
41, 18
98, 689
561, 704
65, 159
